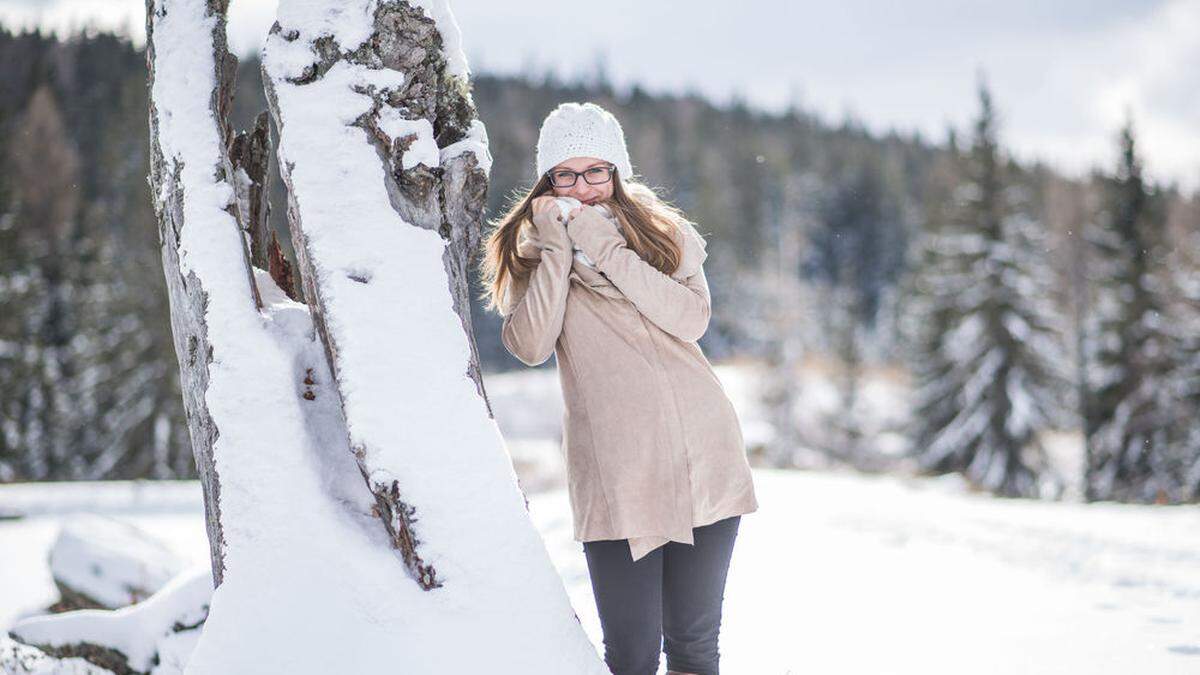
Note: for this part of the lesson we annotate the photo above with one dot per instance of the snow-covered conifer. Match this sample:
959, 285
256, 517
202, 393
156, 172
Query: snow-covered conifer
988, 367
1131, 412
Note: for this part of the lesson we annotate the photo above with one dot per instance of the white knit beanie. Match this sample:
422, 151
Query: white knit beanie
581, 130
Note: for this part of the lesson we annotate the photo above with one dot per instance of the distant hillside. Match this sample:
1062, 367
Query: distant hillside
855, 201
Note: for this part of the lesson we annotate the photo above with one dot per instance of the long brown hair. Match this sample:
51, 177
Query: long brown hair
649, 222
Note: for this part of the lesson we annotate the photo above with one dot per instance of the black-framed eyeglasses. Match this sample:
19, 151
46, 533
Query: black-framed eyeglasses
596, 175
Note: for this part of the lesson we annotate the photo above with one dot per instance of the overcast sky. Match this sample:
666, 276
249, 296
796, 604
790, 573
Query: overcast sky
1063, 72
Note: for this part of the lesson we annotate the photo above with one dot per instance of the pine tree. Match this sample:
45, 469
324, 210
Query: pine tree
1187, 370
929, 300
1186, 266
1130, 417
21, 288
35, 301
987, 382
854, 248
77, 359
137, 429
779, 307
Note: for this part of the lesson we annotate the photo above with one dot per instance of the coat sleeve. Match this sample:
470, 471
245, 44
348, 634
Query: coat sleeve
535, 307
679, 304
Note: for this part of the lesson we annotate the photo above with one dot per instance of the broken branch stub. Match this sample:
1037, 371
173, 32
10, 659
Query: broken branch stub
250, 153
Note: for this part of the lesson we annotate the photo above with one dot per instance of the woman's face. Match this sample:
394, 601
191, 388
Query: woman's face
582, 190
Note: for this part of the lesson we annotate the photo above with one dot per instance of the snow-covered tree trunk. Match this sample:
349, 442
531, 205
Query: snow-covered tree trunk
386, 167
179, 186
291, 410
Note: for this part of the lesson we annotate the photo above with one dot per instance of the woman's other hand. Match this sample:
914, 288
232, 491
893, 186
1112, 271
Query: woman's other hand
548, 217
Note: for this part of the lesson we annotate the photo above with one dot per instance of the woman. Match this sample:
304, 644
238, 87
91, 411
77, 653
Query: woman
656, 468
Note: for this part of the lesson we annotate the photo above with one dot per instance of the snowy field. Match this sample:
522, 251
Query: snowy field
837, 573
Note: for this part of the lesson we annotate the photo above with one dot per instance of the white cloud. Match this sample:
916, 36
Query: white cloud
1158, 82
249, 20
1063, 73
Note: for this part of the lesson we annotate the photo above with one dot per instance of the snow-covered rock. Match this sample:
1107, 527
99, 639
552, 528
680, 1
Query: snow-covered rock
130, 637
22, 659
99, 560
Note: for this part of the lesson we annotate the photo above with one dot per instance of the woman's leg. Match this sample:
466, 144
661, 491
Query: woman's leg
629, 599
693, 590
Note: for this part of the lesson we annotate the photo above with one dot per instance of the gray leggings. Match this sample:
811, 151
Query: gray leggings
674, 592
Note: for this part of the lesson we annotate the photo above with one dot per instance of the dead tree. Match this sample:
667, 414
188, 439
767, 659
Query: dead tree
292, 407
418, 127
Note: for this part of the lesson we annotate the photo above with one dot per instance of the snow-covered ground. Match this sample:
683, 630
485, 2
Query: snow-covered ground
837, 573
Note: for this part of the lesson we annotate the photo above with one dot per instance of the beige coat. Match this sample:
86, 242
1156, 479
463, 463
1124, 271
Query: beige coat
652, 442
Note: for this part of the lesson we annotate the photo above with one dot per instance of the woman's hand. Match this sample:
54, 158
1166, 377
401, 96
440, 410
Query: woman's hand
547, 215
590, 219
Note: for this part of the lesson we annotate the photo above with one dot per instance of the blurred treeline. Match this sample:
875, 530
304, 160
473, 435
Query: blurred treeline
826, 239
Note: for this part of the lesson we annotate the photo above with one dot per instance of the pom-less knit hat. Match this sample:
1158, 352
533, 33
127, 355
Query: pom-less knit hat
581, 130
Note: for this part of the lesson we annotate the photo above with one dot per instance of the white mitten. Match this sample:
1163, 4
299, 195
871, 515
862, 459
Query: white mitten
565, 204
